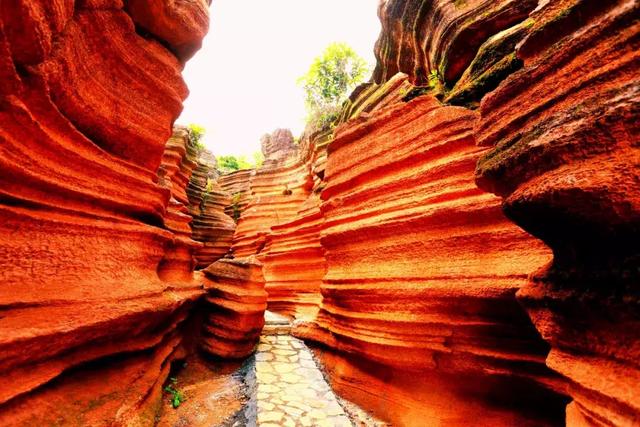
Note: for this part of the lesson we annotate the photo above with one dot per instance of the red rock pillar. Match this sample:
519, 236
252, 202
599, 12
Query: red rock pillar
235, 307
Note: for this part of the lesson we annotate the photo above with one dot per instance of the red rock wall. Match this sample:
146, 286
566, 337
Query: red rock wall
422, 266
174, 173
238, 185
86, 107
207, 203
293, 259
564, 156
235, 307
421, 38
294, 263
278, 189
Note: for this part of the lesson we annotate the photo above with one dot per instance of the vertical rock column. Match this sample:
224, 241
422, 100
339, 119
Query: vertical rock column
564, 135
175, 172
236, 303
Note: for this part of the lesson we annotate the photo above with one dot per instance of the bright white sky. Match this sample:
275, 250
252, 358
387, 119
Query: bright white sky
243, 80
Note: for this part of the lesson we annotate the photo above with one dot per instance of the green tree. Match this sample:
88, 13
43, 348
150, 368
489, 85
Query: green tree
233, 163
258, 159
330, 79
197, 133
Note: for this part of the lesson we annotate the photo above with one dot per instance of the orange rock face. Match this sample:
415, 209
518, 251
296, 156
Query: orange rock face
86, 108
293, 258
278, 189
294, 263
439, 39
175, 173
422, 267
207, 203
180, 24
238, 185
564, 134
235, 307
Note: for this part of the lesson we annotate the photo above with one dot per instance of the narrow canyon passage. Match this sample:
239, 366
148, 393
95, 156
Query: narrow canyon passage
282, 384
455, 243
291, 390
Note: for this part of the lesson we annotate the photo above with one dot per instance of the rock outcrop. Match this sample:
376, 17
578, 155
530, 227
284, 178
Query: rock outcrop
207, 203
179, 24
238, 185
235, 307
422, 266
278, 189
174, 173
86, 106
293, 258
564, 134
458, 50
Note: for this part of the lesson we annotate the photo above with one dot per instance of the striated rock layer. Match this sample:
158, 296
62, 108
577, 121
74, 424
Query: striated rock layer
174, 173
423, 267
207, 203
294, 263
180, 24
293, 258
564, 135
235, 307
86, 106
458, 50
278, 189
440, 37
238, 185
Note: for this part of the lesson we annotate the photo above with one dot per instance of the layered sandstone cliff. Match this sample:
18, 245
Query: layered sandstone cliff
174, 173
423, 267
564, 135
460, 50
235, 307
293, 258
87, 106
237, 184
278, 188
294, 262
207, 203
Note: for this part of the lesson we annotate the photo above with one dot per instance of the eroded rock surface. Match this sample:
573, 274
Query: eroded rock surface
422, 266
86, 107
179, 24
174, 173
564, 135
207, 203
278, 189
236, 303
238, 185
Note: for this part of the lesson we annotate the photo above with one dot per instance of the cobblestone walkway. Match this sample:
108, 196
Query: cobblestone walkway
291, 389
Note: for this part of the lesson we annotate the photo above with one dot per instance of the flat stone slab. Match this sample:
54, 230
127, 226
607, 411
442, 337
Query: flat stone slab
291, 390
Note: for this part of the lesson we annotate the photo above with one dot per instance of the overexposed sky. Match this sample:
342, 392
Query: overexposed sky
243, 80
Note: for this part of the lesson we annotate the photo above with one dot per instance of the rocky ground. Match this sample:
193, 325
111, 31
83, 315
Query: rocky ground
281, 385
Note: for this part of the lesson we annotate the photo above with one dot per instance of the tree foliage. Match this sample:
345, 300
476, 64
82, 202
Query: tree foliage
330, 79
232, 163
197, 133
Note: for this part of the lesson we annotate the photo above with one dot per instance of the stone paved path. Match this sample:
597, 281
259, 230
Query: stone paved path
291, 390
